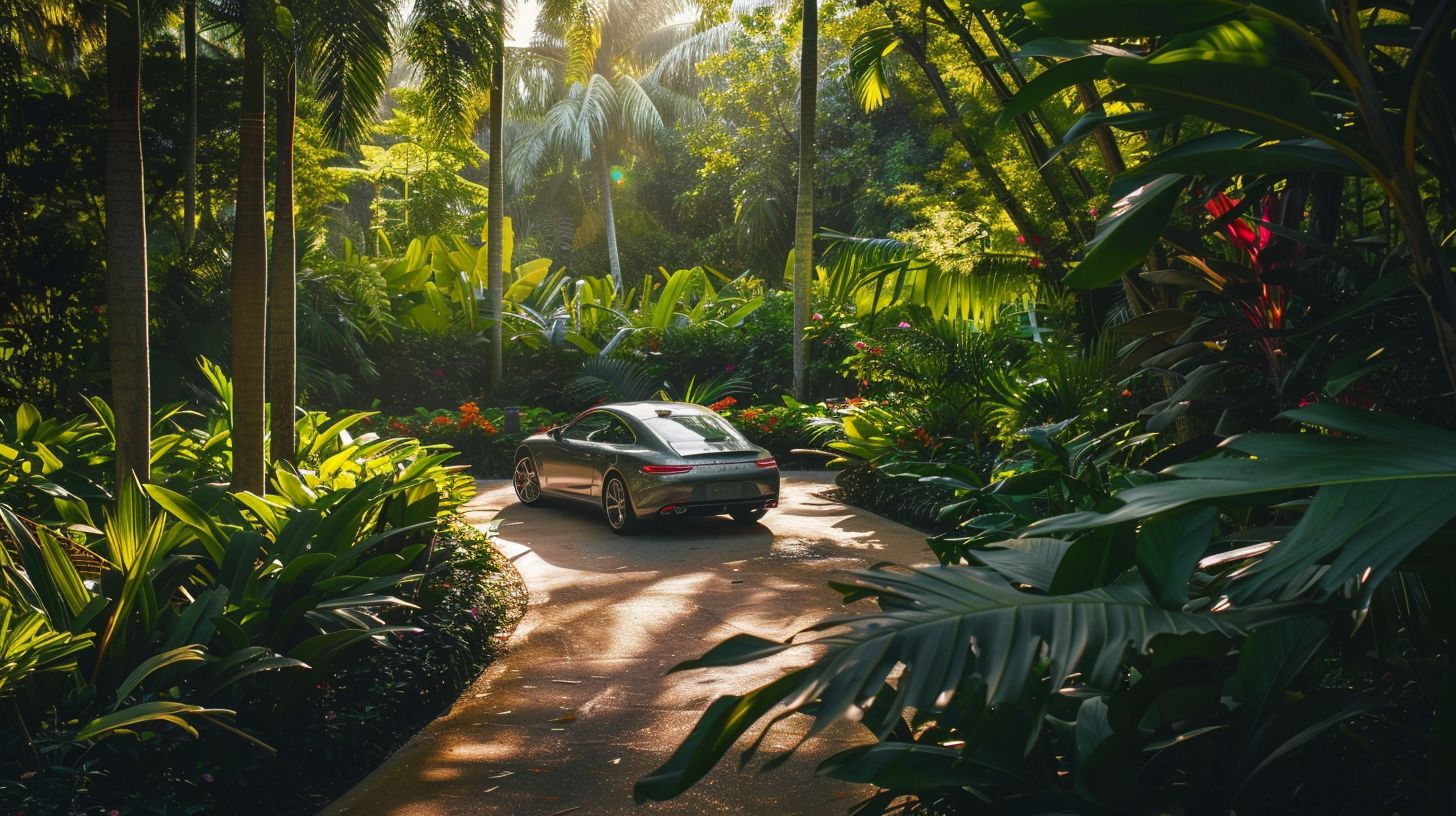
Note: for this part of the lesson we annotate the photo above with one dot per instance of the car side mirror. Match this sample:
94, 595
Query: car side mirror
554, 433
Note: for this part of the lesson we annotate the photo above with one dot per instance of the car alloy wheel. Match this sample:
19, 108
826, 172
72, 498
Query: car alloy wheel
527, 482
618, 505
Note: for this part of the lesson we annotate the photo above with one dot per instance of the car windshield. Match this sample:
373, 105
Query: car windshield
697, 433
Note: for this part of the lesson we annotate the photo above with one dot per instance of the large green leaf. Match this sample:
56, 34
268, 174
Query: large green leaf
1168, 550
1086, 19
940, 623
1126, 234
1281, 158
150, 714
1274, 102
1390, 449
1048, 82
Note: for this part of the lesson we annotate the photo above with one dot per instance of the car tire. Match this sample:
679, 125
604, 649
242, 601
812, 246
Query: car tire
526, 479
617, 506
746, 516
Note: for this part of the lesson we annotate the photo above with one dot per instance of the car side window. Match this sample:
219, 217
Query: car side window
589, 427
616, 433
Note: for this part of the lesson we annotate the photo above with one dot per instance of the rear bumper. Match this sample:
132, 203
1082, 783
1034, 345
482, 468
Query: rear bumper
716, 508
699, 496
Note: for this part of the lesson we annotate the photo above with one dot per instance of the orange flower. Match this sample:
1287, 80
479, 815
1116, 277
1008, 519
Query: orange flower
723, 404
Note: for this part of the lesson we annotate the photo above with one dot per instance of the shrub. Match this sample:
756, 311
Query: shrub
133, 618
477, 434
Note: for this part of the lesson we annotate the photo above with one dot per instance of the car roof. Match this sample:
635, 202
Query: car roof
648, 409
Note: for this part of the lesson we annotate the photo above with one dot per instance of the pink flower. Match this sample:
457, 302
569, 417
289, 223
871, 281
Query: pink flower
1092, 211
730, 367
207, 777
904, 324
859, 344
439, 373
817, 316
1035, 263
1021, 239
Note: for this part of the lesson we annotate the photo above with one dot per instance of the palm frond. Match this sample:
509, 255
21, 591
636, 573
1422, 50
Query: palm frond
452, 43
637, 115
942, 624
867, 76
346, 48
612, 379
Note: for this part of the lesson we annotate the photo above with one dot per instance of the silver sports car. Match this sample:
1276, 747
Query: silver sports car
639, 460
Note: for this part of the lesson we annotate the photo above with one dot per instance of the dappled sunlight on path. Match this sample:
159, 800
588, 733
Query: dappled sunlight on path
581, 706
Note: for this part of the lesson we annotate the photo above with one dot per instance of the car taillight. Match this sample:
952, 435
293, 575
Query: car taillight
767, 463
659, 470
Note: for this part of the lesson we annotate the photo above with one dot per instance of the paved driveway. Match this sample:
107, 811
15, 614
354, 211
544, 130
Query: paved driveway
581, 707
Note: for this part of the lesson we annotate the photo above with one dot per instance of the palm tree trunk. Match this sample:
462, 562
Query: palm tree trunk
250, 271
283, 285
496, 206
804, 203
126, 245
604, 181
189, 187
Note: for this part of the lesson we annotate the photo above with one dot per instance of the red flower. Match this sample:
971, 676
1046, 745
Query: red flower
1126, 393
439, 373
1021, 239
1035, 263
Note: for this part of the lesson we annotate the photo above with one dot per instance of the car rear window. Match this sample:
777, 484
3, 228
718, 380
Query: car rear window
696, 433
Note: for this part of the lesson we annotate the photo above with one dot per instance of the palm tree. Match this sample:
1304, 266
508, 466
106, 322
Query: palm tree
606, 97
496, 206
282, 339
250, 265
804, 204
126, 245
343, 48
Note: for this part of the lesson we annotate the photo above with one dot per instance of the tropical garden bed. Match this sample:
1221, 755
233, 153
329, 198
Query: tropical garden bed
230, 653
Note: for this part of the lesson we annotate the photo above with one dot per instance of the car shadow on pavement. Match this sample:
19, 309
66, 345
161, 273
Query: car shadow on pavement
577, 537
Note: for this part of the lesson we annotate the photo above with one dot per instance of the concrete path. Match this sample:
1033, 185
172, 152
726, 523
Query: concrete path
581, 707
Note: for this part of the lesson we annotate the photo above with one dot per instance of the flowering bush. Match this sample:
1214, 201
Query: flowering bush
478, 433
782, 428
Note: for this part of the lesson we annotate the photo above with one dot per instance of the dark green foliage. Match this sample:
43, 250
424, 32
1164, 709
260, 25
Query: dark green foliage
221, 617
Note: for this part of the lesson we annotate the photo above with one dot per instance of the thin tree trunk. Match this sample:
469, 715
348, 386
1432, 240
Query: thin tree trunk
1054, 134
496, 207
189, 189
1037, 149
282, 345
1112, 160
126, 245
980, 160
604, 180
804, 203
250, 271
